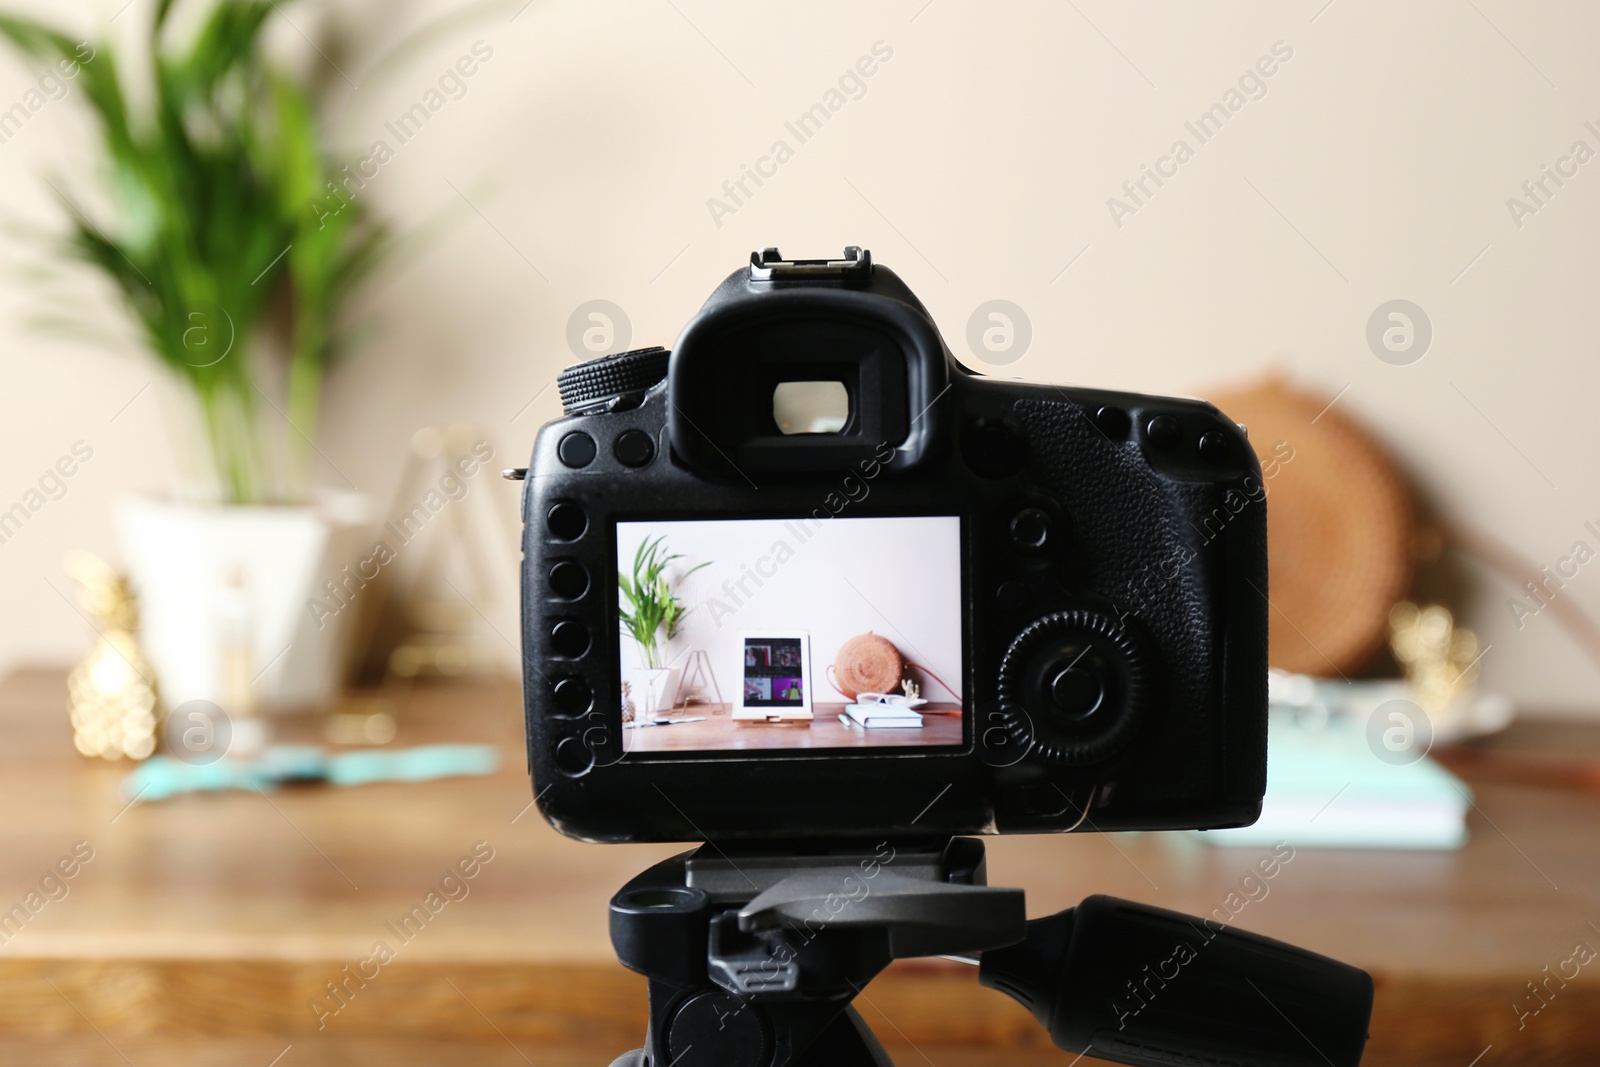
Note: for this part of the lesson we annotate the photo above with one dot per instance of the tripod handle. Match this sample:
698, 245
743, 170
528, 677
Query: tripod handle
1150, 987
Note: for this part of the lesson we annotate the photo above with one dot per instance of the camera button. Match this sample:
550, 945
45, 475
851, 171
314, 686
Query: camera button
569, 638
569, 580
1113, 422
566, 522
1213, 446
633, 448
1030, 529
572, 696
1013, 595
1077, 692
577, 449
573, 756
1045, 802
1163, 431
992, 450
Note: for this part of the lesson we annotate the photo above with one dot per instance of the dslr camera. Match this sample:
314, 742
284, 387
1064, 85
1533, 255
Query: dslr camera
808, 578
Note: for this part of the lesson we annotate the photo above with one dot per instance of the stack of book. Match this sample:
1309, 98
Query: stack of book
881, 716
1326, 788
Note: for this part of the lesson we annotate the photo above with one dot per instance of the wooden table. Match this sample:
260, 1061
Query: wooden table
204, 928
718, 731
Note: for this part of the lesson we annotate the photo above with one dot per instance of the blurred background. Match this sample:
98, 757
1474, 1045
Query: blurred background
266, 361
579, 162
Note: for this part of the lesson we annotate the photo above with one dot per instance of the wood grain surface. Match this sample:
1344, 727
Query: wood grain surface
717, 731
205, 928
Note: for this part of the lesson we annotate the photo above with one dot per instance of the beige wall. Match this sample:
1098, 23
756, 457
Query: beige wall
978, 164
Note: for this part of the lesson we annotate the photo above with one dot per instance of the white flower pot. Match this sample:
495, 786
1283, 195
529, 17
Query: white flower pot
213, 577
652, 689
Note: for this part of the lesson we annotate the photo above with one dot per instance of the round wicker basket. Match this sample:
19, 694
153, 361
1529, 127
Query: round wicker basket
1340, 528
867, 664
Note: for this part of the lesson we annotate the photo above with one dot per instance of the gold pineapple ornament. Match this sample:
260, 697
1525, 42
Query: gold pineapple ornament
1440, 659
112, 691
630, 711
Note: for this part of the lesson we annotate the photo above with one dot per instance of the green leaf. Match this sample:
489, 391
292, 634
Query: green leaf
653, 612
213, 176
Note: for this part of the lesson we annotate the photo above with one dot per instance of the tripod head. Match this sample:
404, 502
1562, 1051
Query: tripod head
754, 955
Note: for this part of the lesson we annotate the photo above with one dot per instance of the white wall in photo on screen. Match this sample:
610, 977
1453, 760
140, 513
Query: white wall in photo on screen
831, 579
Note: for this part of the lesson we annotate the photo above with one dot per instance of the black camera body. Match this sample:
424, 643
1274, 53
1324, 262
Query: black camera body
1078, 575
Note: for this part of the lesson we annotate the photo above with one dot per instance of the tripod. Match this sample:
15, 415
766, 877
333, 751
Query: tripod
754, 955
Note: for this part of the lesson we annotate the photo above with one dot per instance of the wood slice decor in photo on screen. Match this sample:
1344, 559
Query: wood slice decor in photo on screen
867, 664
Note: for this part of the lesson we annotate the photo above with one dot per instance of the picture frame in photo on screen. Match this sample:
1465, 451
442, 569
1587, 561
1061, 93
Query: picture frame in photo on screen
774, 677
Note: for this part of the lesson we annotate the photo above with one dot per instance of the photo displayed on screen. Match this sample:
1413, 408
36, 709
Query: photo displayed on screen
763, 610
770, 666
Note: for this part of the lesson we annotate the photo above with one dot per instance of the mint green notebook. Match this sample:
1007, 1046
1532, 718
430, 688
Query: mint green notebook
1325, 788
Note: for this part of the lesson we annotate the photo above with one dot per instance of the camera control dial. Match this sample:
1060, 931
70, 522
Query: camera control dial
1074, 686
611, 383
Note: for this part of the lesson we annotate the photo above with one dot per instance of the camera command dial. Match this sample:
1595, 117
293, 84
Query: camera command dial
1074, 686
611, 383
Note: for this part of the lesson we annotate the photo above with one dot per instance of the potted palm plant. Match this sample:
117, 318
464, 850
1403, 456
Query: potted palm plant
651, 613
215, 238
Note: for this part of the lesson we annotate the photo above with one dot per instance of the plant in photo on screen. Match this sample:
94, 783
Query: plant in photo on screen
650, 613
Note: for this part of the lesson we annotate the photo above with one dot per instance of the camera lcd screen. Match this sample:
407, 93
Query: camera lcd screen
784, 634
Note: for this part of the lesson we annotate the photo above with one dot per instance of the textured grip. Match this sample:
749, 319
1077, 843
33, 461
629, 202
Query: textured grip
593, 385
